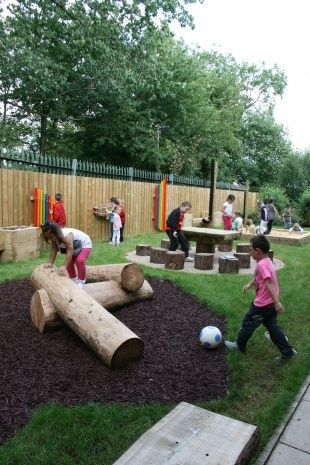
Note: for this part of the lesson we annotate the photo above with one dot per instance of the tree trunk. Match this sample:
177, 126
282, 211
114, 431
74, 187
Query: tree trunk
115, 344
175, 260
129, 275
109, 294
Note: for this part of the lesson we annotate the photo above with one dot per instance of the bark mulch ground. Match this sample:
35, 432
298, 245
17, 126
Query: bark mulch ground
58, 367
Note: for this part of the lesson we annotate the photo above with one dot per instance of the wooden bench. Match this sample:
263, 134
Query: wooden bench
196, 436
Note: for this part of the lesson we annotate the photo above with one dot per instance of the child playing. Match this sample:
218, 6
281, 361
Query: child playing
266, 305
227, 212
237, 223
250, 228
173, 229
296, 227
117, 225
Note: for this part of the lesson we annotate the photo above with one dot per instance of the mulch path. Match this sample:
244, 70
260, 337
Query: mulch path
58, 367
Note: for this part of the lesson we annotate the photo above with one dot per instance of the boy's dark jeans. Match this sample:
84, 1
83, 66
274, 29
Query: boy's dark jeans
175, 241
268, 317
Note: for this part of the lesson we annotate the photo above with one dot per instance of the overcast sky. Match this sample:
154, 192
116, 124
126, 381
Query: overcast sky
270, 31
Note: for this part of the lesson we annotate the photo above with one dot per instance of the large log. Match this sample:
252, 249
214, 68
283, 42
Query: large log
109, 294
129, 275
115, 344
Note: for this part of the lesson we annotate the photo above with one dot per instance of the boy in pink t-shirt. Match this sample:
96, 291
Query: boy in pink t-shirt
266, 305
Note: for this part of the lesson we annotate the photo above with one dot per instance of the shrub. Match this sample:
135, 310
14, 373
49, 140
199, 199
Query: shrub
304, 207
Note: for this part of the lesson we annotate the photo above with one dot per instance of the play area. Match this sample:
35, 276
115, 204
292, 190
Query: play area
283, 236
57, 366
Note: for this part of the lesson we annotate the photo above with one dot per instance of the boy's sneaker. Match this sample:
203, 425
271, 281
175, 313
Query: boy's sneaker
231, 345
189, 259
281, 358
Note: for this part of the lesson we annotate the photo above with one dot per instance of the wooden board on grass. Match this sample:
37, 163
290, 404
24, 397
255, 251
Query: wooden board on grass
190, 435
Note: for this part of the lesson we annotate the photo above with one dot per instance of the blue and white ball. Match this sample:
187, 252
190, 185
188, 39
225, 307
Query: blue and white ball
210, 337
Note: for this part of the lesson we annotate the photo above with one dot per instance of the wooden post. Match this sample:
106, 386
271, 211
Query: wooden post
115, 344
175, 260
214, 168
245, 201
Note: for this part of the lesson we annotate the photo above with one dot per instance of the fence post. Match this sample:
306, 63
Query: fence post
74, 167
130, 173
245, 201
171, 178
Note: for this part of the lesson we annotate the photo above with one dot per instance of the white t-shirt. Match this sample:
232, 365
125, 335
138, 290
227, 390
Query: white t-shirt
79, 235
227, 207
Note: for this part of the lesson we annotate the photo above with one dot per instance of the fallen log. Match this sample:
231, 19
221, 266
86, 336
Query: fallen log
115, 344
109, 294
129, 275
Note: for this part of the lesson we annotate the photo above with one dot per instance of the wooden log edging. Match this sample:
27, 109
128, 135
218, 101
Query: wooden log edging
115, 344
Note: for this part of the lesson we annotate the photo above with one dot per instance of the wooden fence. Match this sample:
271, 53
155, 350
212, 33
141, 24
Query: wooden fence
81, 194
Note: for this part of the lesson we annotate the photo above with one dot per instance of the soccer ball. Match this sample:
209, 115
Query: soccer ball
210, 337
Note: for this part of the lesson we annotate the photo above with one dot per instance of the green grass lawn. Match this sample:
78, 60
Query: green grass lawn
260, 392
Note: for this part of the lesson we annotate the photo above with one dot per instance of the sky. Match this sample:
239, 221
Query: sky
256, 31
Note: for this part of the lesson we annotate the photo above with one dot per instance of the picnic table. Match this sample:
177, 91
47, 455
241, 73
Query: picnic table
207, 238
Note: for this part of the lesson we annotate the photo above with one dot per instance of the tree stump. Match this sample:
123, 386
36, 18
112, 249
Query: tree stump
158, 255
165, 243
143, 250
228, 265
175, 260
243, 248
225, 246
204, 261
244, 259
270, 255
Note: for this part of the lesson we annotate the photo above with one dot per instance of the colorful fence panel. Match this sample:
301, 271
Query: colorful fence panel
43, 204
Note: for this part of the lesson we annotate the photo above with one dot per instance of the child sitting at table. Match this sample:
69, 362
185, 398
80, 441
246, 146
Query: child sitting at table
250, 228
237, 223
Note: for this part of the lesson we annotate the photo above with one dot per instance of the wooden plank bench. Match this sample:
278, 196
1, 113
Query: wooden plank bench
190, 435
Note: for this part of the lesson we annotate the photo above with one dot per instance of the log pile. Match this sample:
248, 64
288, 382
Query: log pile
58, 299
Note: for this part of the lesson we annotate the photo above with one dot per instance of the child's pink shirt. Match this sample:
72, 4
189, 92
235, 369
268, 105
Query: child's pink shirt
264, 269
117, 223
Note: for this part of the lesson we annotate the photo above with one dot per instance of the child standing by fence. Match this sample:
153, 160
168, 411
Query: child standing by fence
117, 224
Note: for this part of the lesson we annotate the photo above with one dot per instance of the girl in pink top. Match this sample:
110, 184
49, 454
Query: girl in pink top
266, 305
117, 225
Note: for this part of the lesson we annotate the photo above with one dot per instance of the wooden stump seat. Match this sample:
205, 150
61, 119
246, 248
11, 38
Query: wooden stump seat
225, 246
228, 265
204, 261
203, 247
158, 255
244, 259
143, 250
165, 243
174, 260
243, 248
